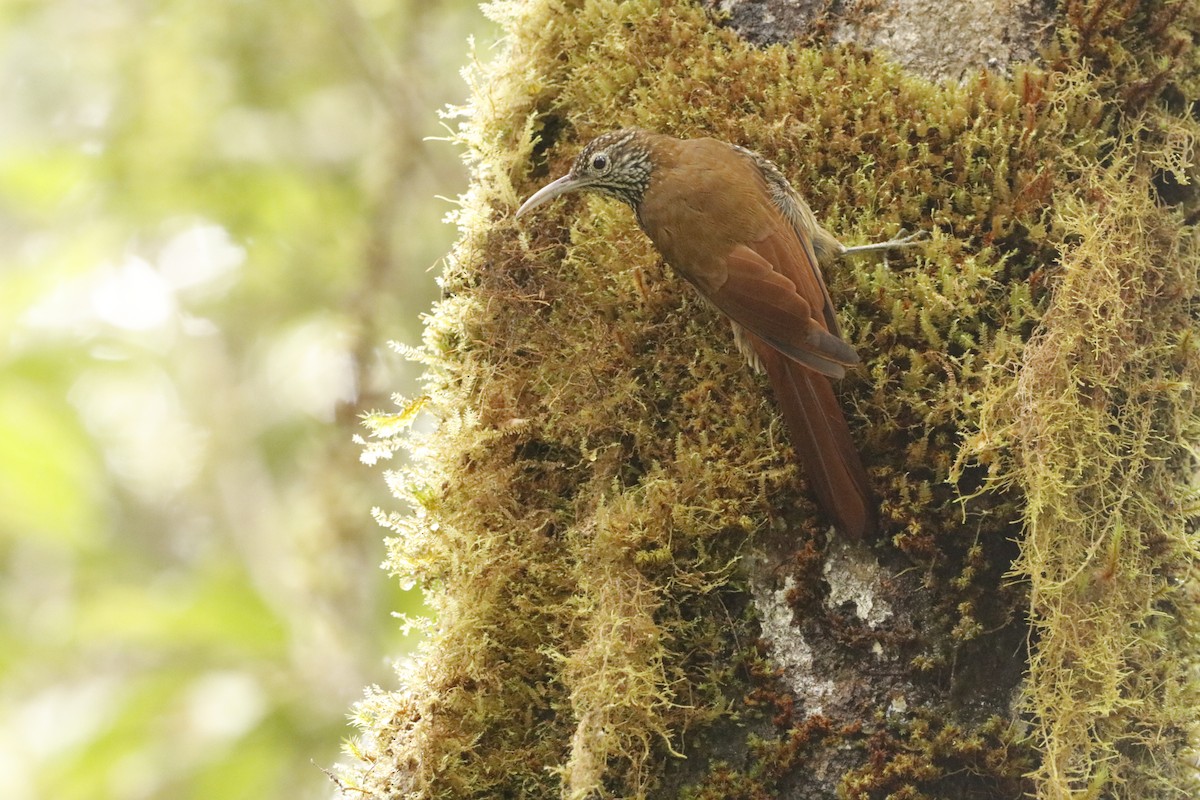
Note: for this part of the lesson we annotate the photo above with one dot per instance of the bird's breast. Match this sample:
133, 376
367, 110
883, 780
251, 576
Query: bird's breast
704, 200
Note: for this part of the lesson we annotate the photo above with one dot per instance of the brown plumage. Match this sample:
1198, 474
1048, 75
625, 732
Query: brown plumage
728, 221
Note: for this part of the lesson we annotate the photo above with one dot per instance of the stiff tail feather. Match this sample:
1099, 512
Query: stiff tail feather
822, 441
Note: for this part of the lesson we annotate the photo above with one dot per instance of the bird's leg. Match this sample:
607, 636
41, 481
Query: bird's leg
901, 239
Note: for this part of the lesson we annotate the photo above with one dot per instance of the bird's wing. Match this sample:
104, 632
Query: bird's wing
818, 244
769, 304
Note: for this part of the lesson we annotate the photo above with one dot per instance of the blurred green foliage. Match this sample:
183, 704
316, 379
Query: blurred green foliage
213, 215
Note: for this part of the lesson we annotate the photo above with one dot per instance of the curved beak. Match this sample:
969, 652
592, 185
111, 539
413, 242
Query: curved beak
550, 191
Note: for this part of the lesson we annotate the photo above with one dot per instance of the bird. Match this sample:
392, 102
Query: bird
727, 220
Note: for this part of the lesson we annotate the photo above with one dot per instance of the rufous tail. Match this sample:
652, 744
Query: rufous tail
822, 441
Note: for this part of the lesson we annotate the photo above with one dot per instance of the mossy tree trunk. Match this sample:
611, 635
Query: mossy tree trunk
636, 596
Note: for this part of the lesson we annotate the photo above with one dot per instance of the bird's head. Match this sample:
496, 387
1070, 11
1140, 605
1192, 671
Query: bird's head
616, 164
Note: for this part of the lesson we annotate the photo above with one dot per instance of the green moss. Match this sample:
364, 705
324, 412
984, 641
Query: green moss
1100, 422
603, 458
927, 759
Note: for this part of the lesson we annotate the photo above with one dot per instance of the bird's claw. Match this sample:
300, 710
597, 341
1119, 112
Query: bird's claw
905, 239
902, 239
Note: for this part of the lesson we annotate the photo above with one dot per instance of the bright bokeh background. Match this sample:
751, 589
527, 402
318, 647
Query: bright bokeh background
213, 216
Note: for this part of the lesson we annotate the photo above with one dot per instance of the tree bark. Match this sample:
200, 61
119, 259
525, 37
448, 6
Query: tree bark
636, 596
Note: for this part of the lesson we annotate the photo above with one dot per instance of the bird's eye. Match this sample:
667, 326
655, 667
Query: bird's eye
600, 162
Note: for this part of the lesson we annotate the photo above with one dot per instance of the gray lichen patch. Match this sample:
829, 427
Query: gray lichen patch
939, 39
855, 577
950, 39
789, 649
